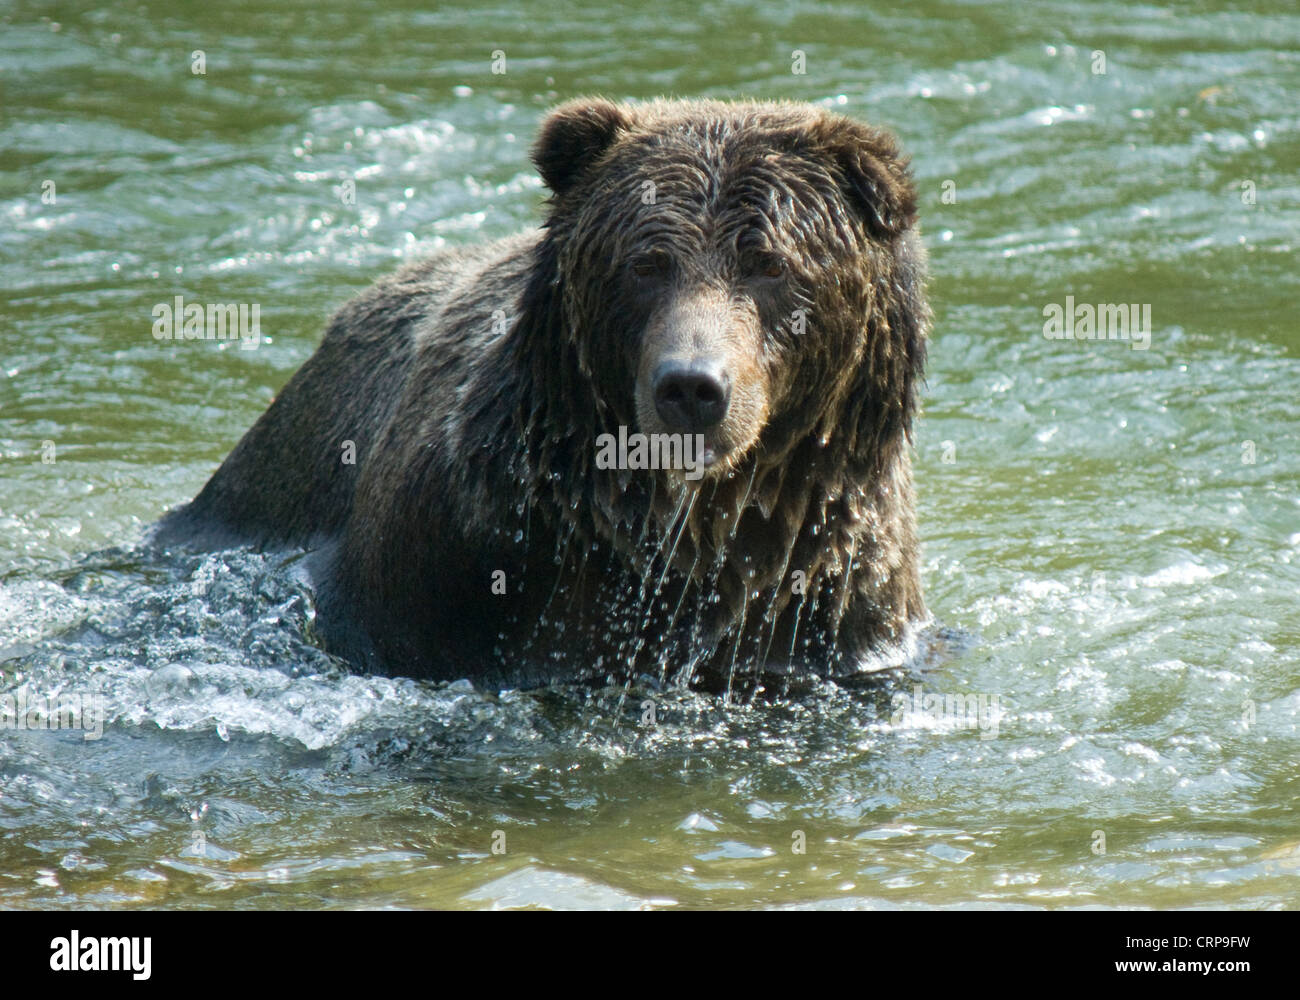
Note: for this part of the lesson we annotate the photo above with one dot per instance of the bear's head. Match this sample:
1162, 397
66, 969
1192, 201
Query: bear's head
739, 264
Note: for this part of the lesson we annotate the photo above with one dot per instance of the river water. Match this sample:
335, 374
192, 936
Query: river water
1112, 532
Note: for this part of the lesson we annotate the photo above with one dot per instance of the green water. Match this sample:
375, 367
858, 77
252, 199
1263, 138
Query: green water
1117, 530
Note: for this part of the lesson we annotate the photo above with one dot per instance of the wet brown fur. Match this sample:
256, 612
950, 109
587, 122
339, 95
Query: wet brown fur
476, 433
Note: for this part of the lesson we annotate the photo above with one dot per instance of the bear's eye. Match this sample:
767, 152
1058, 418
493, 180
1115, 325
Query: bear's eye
767, 265
651, 265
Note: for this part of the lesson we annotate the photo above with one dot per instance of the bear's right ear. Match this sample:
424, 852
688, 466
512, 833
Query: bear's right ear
573, 136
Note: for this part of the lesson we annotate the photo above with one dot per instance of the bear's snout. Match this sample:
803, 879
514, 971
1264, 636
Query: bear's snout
699, 374
691, 395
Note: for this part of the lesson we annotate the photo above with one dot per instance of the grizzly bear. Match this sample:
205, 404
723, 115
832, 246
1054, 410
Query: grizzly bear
741, 285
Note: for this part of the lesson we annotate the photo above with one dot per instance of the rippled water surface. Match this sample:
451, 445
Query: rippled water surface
1114, 532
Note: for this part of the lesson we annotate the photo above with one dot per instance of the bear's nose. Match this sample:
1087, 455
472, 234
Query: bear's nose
691, 396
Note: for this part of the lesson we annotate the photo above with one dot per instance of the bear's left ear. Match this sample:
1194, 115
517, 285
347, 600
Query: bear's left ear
573, 136
873, 171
